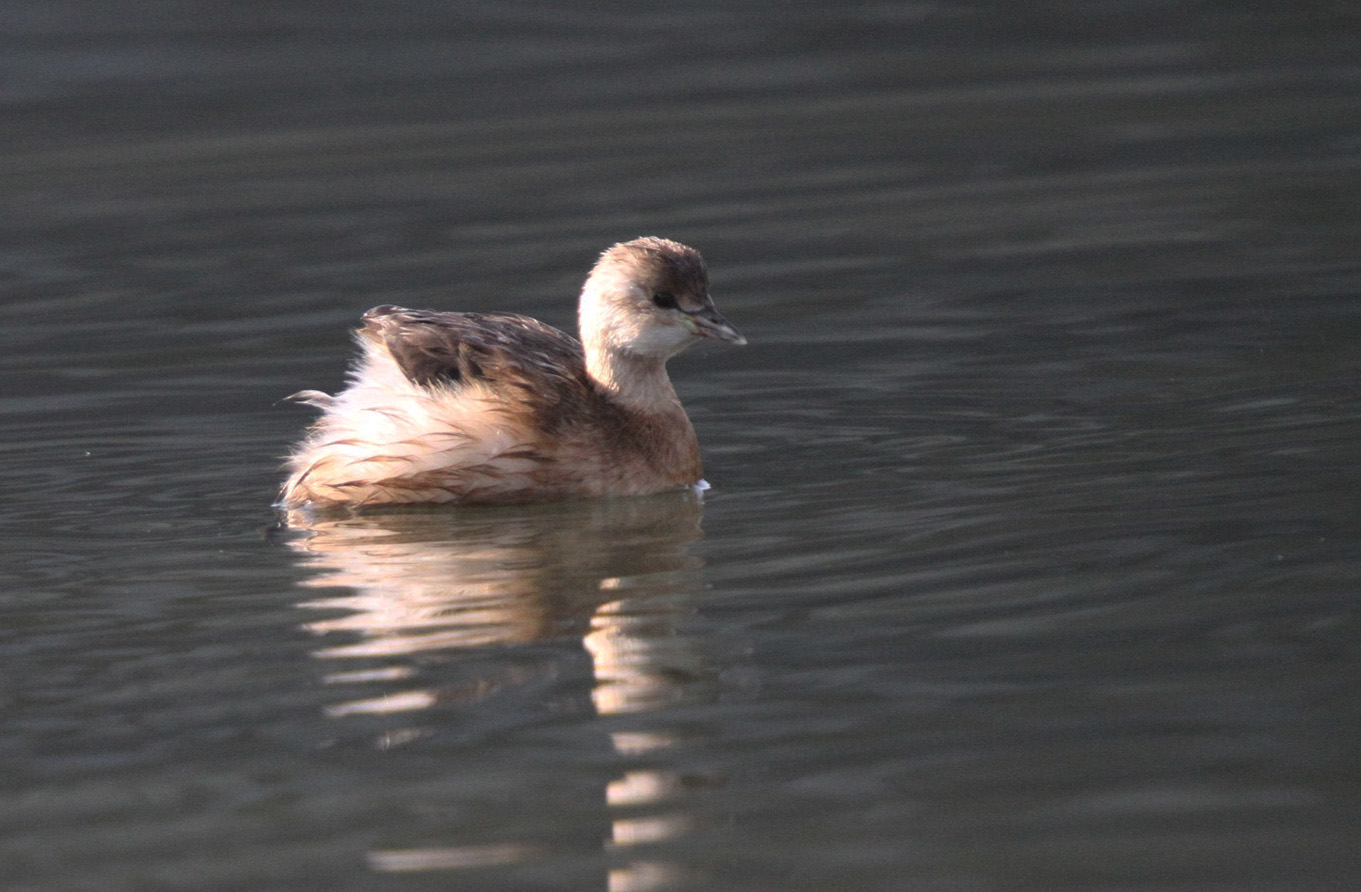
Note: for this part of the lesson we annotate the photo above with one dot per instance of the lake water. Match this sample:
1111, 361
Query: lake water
1031, 559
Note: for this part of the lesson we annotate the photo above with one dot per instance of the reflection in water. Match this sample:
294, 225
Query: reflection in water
429, 583
641, 664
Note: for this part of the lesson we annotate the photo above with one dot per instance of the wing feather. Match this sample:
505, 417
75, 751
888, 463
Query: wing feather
525, 360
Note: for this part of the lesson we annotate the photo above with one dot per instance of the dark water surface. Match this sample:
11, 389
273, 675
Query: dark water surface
1032, 556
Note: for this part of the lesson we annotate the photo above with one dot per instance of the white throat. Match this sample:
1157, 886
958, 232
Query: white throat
626, 350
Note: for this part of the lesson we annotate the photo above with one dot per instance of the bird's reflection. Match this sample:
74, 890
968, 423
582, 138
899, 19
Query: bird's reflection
612, 574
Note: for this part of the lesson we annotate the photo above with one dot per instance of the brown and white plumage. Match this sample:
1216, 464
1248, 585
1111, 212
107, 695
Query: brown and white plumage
497, 407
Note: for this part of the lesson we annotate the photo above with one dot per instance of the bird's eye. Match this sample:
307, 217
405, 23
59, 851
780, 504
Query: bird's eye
665, 299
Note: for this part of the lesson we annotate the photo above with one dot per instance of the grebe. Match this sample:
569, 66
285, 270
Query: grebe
501, 408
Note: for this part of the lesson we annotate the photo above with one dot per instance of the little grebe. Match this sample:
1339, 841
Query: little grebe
497, 407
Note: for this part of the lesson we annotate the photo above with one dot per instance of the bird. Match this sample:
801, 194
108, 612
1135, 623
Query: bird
500, 408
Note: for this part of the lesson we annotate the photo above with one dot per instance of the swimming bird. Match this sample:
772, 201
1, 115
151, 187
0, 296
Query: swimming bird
447, 407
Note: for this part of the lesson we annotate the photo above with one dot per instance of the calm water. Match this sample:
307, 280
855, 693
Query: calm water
1031, 560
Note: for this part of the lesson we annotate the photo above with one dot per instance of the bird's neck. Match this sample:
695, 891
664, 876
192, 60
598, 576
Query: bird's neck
638, 382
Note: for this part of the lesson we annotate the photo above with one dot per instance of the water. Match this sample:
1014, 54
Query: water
1030, 561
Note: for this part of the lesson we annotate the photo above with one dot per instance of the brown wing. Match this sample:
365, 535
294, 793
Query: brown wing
527, 360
